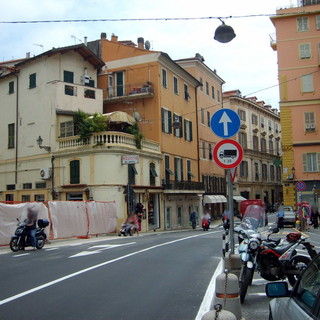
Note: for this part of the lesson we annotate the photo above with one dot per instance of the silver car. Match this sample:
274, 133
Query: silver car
303, 302
289, 216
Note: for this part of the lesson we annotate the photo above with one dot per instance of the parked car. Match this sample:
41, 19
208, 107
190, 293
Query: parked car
302, 302
289, 216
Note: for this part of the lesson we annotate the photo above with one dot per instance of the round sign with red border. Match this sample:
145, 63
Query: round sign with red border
300, 185
227, 154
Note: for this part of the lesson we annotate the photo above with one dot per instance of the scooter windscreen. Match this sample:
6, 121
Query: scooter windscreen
254, 219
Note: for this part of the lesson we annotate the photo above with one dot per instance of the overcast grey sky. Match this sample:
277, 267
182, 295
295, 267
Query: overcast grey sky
246, 63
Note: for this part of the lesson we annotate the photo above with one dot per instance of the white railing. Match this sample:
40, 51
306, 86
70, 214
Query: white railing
107, 138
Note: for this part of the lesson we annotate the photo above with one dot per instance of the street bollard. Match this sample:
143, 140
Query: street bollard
219, 314
233, 264
227, 293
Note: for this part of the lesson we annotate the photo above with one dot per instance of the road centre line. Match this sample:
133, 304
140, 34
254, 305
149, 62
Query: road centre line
71, 275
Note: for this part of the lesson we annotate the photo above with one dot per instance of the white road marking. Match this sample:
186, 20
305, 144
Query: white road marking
101, 247
71, 275
206, 302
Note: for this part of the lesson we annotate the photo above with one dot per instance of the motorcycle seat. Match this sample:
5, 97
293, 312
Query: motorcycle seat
281, 249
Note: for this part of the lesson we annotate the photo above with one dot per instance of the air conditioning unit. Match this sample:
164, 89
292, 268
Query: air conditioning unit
45, 173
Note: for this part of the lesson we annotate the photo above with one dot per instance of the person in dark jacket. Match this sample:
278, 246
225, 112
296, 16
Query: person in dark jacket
314, 217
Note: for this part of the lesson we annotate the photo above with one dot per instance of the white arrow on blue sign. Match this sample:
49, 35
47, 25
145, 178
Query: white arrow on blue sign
225, 123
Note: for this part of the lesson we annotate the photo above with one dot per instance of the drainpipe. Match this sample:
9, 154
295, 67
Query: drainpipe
17, 130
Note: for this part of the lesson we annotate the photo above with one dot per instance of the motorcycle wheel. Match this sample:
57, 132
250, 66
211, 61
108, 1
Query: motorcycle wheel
245, 280
14, 245
40, 242
299, 263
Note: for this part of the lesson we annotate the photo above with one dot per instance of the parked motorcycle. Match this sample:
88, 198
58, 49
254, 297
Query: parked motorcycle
277, 261
249, 237
273, 259
126, 229
22, 239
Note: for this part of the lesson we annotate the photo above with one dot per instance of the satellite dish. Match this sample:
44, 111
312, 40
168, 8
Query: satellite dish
137, 116
147, 45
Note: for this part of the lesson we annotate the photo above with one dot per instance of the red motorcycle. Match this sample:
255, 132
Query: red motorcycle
205, 224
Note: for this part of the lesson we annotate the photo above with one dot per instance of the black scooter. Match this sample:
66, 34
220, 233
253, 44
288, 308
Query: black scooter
22, 239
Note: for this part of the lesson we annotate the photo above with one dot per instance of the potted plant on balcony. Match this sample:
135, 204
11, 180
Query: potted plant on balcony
86, 124
138, 136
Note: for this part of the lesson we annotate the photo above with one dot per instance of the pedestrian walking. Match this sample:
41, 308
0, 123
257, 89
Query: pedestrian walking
193, 219
280, 216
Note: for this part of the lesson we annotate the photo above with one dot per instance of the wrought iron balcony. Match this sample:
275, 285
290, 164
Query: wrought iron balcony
182, 185
131, 91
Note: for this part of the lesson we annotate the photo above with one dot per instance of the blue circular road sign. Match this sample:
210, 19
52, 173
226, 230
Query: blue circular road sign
225, 123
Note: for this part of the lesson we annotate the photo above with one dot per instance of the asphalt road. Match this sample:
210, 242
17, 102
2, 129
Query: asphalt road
154, 276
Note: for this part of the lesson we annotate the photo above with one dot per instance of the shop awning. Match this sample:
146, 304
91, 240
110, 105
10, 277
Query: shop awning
239, 198
214, 199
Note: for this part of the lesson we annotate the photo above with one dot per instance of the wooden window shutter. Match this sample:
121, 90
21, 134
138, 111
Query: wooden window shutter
305, 163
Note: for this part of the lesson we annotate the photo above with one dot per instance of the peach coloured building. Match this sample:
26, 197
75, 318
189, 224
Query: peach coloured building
161, 95
297, 43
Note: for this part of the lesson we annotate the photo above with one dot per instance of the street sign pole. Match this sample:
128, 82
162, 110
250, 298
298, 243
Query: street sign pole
231, 211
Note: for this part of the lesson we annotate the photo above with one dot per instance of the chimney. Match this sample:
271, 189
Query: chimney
114, 38
140, 43
103, 36
28, 55
85, 41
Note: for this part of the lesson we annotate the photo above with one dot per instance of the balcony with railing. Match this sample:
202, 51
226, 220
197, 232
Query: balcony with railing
182, 185
132, 91
107, 139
